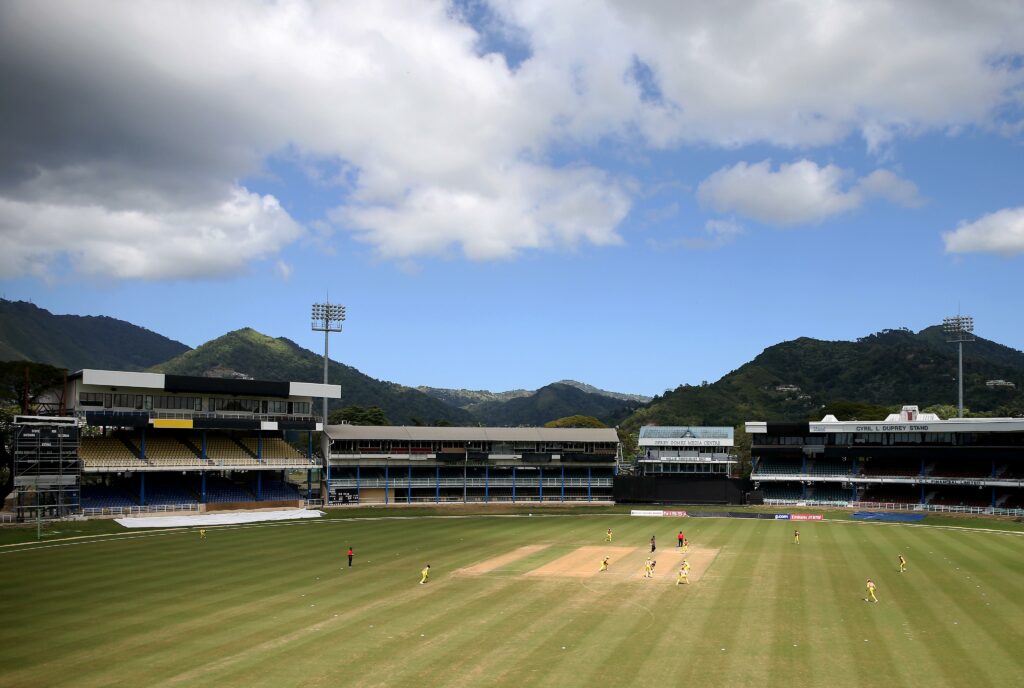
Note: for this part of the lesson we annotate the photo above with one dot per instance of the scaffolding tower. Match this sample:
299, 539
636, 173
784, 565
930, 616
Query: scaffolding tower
47, 468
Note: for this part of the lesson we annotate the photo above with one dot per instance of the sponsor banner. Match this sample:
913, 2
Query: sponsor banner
646, 512
781, 517
674, 513
806, 517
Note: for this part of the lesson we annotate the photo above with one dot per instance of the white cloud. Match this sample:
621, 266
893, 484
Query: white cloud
283, 270
716, 234
802, 73
155, 110
999, 232
798, 193
129, 244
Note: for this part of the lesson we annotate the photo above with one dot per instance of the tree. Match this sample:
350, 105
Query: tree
39, 378
575, 422
359, 415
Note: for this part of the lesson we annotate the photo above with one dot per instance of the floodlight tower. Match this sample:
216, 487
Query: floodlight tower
959, 329
327, 318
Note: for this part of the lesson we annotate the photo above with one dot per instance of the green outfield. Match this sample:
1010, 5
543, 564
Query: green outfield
512, 601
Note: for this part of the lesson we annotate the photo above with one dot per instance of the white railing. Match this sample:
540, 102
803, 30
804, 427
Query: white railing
475, 499
312, 503
899, 506
132, 510
401, 481
7, 518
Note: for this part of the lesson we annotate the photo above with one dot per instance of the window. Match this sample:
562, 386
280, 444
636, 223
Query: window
90, 399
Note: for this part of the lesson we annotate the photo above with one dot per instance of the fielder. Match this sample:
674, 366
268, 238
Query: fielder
903, 564
604, 564
424, 574
608, 536
796, 537
648, 568
684, 575
871, 592
202, 533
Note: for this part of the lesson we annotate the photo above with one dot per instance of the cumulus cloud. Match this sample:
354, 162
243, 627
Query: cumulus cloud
153, 111
800, 73
128, 244
799, 192
999, 232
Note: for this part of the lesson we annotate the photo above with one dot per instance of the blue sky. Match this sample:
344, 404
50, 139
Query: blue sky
499, 204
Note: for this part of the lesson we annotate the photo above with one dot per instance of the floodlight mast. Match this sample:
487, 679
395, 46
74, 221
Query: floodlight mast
959, 329
327, 318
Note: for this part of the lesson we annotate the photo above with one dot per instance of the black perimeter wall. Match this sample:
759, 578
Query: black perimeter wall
680, 490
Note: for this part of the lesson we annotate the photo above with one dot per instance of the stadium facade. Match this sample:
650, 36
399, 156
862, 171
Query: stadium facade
398, 464
910, 458
702, 451
127, 441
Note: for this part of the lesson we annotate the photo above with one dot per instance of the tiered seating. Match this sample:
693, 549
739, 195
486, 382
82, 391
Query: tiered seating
167, 451
223, 450
831, 493
829, 468
890, 468
961, 469
168, 494
781, 491
275, 450
105, 497
892, 494
223, 490
279, 491
771, 467
1014, 471
106, 451
1013, 501
963, 497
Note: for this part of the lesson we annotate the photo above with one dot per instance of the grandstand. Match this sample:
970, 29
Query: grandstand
385, 464
908, 458
685, 450
147, 441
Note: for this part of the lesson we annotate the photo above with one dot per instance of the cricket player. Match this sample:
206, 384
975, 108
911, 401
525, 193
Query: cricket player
202, 533
604, 564
424, 574
648, 568
684, 576
686, 546
871, 592
608, 536
796, 537
903, 564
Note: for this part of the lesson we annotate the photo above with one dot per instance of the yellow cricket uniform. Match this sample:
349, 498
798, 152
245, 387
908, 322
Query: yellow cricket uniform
796, 537
608, 536
425, 573
604, 564
683, 578
871, 592
903, 564
202, 533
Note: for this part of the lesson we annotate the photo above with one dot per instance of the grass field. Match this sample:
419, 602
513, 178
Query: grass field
274, 605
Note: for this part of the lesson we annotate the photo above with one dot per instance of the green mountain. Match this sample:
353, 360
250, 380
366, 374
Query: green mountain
794, 380
551, 403
483, 403
30, 333
468, 398
249, 353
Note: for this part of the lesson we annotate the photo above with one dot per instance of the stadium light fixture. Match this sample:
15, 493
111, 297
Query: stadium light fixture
959, 329
327, 317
